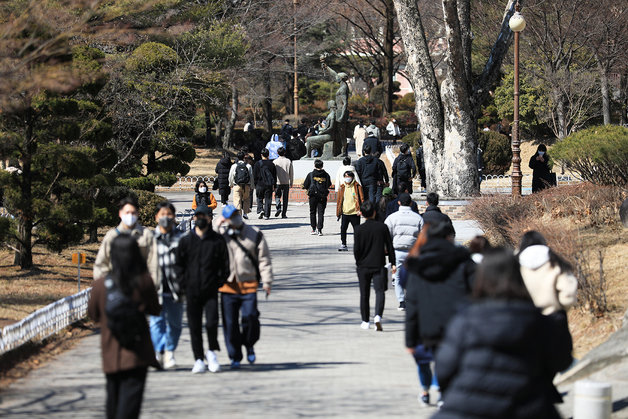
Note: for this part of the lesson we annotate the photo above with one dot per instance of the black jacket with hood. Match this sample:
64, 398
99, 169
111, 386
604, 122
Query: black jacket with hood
222, 169
440, 279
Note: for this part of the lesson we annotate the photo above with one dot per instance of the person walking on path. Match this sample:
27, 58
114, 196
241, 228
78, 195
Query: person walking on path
128, 213
241, 181
404, 226
359, 134
285, 133
403, 169
373, 130
125, 367
382, 180
165, 329
393, 204
223, 167
285, 177
372, 140
265, 178
340, 173
203, 196
273, 145
420, 162
249, 265
317, 184
539, 163
350, 198
202, 264
433, 215
371, 245
505, 340
367, 169
380, 208
393, 130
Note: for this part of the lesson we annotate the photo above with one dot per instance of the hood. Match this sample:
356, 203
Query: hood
438, 259
534, 257
502, 324
369, 158
274, 137
433, 208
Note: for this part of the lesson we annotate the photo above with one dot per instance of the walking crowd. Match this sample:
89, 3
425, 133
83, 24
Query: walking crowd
486, 326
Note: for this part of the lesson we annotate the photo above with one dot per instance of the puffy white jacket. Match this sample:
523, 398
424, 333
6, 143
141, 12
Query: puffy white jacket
550, 288
404, 226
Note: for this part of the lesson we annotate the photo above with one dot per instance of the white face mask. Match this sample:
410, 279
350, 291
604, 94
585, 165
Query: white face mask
202, 189
541, 153
348, 179
128, 219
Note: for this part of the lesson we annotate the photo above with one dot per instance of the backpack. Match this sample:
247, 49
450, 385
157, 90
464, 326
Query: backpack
124, 319
266, 176
403, 169
242, 176
317, 188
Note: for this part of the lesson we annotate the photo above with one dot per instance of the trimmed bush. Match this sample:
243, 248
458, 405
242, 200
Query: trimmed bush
599, 154
152, 56
413, 139
148, 203
497, 152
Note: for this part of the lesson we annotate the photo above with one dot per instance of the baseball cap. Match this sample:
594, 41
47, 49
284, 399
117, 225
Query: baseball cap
228, 211
204, 209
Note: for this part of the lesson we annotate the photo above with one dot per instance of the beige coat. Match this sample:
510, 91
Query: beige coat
285, 173
146, 242
241, 267
550, 288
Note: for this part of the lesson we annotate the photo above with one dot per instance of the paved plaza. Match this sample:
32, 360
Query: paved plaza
313, 358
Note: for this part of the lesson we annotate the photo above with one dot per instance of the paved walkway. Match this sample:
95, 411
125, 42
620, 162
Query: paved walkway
313, 358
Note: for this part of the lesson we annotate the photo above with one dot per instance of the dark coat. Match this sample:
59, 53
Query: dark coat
368, 170
115, 358
222, 169
498, 360
440, 279
433, 215
540, 172
396, 178
372, 242
257, 173
202, 263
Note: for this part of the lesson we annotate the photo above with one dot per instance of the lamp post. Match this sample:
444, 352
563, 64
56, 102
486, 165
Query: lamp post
296, 80
517, 23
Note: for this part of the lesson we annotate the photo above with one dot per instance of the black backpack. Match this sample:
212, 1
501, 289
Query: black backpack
242, 176
317, 188
404, 171
266, 176
124, 319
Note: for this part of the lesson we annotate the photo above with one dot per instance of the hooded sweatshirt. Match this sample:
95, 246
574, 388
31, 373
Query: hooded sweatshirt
550, 288
273, 145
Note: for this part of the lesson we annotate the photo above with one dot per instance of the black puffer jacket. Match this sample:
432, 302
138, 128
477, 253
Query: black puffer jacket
498, 360
222, 169
439, 281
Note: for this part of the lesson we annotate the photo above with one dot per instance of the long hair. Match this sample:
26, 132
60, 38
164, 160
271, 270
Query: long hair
127, 263
499, 277
533, 238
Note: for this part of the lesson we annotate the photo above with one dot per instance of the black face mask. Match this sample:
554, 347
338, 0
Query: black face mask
202, 223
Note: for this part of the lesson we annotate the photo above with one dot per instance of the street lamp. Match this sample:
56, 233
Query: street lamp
517, 23
296, 80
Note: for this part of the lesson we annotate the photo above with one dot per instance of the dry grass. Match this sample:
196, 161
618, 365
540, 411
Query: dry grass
205, 162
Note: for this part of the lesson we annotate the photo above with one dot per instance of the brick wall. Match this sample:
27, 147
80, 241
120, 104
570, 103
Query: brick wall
298, 194
455, 212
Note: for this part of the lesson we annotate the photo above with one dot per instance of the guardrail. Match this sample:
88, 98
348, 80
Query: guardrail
503, 183
45, 322
187, 183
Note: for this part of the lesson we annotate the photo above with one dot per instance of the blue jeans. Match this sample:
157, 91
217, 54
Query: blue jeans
400, 257
232, 306
426, 377
165, 329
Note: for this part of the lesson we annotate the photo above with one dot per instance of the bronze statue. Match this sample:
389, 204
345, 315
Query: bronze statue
326, 134
342, 109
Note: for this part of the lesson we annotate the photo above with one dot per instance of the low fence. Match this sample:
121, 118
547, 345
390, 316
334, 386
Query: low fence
45, 322
185, 183
493, 184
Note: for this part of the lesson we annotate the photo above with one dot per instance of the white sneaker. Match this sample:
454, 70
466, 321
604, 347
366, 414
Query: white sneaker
212, 361
365, 325
378, 323
159, 357
199, 367
169, 361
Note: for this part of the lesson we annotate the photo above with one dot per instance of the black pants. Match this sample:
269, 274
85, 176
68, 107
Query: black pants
370, 191
344, 225
224, 195
264, 199
317, 206
195, 307
281, 196
378, 277
125, 390
422, 174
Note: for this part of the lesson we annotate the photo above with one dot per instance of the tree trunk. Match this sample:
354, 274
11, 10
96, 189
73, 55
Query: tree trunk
24, 254
389, 57
218, 128
93, 234
227, 138
561, 117
623, 99
208, 127
267, 105
606, 97
151, 160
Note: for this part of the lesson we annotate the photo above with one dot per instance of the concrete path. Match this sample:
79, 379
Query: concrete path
313, 358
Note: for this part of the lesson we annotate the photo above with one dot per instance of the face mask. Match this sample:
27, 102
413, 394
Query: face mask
541, 153
202, 223
129, 220
236, 221
348, 179
202, 189
165, 222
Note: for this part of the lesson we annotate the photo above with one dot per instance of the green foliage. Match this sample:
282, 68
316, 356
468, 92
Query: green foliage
405, 118
497, 152
152, 57
148, 202
138, 183
599, 154
377, 93
360, 105
406, 103
219, 47
531, 100
413, 139
316, 90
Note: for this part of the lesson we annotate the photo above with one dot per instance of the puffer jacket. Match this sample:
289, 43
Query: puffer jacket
498, 359
222, 170
404, 226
